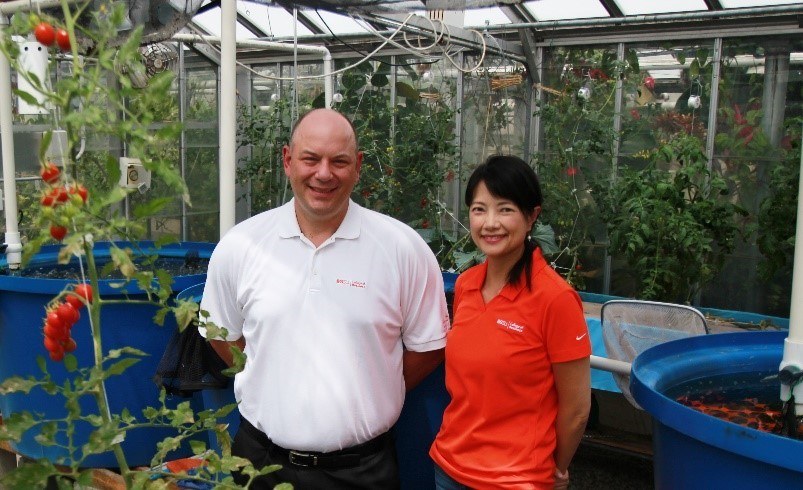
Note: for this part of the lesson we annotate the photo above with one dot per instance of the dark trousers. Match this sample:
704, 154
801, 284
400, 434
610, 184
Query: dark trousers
375, 471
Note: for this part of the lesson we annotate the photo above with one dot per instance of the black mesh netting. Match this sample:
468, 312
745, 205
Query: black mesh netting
189, 364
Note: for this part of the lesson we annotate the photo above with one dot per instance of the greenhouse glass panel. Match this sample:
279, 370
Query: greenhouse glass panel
757, 154
577, 114
336, 23
657, 96
728, 4
495, 109
262, 133
654, 207
202, 176
265, 85
201, 134
28, 193
201, 94
275, 21
210, 22
563, 10
640, 7
480, 17
306, 88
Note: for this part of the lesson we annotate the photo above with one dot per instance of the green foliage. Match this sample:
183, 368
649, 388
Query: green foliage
409, 154
263, 134
579, 139
778, 211
672, 226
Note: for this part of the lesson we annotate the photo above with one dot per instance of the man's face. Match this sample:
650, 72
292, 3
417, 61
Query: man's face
323, 166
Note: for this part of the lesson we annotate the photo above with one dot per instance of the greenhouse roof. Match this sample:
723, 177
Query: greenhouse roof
278, 19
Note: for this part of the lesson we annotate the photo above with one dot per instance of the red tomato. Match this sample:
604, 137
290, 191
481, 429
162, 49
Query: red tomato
54, 319
69, 345
80, 190
56, 332
62, 195
63, 39
85, 291
50, 173
45, 33
74, 300
48, 199
58, 232
68, 314
52, 345
57, 355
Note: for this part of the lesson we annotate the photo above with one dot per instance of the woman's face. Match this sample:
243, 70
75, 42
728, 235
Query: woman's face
498, 227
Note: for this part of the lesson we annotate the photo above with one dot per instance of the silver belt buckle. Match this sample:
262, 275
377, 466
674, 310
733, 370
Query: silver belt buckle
295, 454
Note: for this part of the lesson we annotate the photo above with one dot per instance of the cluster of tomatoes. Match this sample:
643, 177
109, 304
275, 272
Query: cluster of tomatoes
60, 319
60, 202
48, 35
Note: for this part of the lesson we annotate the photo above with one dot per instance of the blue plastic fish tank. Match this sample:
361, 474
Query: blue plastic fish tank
22, 309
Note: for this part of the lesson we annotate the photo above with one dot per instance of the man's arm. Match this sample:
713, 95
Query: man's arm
222, 349
417, 365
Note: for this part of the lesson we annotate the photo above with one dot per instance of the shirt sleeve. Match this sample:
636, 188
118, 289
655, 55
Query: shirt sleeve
565, 328
220, 291
426, 318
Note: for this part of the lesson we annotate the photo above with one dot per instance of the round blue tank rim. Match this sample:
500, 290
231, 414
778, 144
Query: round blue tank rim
49, 254
652, 373
193, 293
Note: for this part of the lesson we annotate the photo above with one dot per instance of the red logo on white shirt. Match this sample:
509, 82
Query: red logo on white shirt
347, 282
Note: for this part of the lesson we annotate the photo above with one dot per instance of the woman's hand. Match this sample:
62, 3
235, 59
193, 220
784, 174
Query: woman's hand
561, 479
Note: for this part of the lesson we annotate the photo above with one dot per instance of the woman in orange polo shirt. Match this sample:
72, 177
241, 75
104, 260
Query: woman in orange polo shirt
517, 356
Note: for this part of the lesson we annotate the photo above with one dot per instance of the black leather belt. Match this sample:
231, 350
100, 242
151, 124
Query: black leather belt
342, 458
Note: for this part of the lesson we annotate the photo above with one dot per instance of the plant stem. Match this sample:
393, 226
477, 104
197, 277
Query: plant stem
100, 395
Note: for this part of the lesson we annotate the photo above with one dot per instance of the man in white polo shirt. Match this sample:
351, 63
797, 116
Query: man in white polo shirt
339, 311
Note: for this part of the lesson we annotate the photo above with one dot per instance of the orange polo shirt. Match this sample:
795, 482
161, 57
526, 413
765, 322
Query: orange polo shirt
499, 428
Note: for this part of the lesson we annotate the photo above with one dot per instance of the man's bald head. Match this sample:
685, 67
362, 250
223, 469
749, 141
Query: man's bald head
315, 113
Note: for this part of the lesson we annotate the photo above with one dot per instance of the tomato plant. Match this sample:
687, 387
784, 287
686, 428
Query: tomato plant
81, 99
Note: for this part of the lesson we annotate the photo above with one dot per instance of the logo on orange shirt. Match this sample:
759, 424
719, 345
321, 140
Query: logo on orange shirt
510, 325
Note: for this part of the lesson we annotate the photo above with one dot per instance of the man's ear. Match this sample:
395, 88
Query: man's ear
286, 157
359, 163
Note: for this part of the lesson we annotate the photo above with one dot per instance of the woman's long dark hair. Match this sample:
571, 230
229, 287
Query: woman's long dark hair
509, 177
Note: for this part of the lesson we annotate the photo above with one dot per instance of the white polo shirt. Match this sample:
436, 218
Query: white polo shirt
324, 327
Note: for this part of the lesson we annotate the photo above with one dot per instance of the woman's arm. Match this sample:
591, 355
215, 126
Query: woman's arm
573, 383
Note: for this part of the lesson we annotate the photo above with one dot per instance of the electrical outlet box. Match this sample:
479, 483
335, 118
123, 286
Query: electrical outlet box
133, 174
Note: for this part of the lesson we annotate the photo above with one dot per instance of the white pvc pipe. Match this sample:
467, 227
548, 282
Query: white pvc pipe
796, 310
12, 237
610, 365
793, 345
227, 116
328, 63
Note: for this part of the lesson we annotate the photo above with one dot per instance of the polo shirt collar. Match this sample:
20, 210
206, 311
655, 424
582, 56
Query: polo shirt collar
509, 291
349, 228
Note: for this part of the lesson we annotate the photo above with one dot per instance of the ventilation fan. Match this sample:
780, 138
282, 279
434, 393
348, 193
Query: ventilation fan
155, 58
